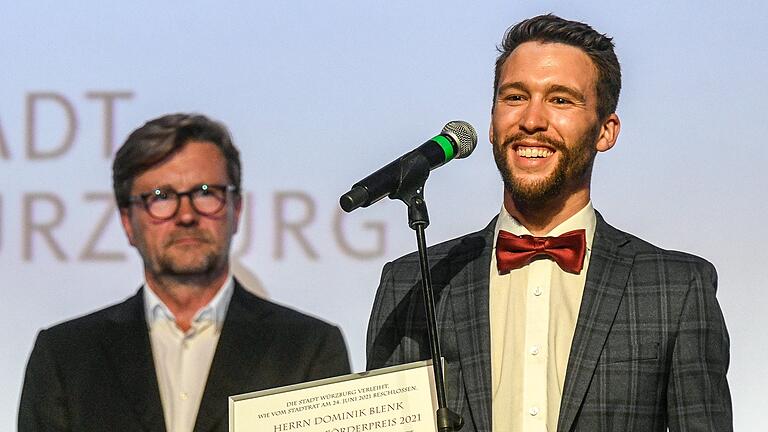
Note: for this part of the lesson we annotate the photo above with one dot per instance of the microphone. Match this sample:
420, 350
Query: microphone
457, 140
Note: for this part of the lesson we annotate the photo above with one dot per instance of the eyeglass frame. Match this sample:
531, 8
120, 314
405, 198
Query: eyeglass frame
143, 198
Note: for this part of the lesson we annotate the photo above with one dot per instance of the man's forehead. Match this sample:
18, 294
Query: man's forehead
551, 61
553, 53
194, 163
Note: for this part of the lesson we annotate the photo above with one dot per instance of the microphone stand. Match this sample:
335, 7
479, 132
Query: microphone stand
413, 175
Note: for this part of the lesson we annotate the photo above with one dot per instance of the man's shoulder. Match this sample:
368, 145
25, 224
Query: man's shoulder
467, 246
90, 327
117, 311
646, 253
256, 306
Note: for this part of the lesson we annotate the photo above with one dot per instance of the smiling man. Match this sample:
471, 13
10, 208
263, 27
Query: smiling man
168, 357
550, 318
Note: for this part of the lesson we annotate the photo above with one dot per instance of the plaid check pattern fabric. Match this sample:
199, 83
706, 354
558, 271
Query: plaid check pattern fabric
650, 351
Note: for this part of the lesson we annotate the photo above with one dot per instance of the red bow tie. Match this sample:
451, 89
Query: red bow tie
567, 250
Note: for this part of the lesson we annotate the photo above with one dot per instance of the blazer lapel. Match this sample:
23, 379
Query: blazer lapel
130, 354
469, 299
235, 363
609, 269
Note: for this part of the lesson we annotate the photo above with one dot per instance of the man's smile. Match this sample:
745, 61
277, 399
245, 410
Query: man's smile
533, 152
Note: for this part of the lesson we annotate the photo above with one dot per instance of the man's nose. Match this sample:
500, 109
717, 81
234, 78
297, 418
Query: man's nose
533, 118
187, 214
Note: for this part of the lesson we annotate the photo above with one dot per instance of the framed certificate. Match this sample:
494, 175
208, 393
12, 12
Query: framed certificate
398, 399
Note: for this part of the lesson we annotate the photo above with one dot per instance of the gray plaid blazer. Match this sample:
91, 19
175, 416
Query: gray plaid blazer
650, 351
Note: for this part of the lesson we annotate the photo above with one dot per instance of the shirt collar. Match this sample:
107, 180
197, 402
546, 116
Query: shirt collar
215, 311
585, 219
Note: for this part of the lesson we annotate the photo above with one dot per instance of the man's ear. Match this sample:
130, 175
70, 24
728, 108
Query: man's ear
237, 208
609, 133
125, 219
490, 132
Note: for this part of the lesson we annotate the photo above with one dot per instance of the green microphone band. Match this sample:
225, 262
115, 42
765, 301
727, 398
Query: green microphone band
445, 143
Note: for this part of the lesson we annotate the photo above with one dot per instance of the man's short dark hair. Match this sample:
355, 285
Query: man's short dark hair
553, 29
159, 138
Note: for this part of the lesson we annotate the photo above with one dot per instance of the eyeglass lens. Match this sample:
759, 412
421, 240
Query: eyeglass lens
206, 200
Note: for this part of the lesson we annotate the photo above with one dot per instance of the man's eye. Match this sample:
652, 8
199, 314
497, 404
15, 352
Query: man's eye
513, 98
159, 195
560, 101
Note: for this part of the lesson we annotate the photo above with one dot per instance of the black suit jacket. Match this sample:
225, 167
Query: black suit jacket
650, 350
96, 373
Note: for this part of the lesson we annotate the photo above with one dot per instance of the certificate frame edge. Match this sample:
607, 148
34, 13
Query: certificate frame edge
348, 377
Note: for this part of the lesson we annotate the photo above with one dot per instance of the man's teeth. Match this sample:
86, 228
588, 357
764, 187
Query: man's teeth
533, 152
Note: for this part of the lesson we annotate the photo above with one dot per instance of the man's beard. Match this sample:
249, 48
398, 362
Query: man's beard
204, 264
198, 260
573, 166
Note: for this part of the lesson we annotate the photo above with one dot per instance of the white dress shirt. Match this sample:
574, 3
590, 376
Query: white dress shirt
183, 359
533, 314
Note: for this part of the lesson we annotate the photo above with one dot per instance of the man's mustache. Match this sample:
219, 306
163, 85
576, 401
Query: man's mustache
538, 137
186, 234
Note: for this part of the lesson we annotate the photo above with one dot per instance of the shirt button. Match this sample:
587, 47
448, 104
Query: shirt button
533, 411
537, 291
185, 344
534, 350
184, 396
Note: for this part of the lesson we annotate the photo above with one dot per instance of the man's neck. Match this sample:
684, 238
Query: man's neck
184, 296
541, 218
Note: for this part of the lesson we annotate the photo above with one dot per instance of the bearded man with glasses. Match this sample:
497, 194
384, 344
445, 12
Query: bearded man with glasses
168, 357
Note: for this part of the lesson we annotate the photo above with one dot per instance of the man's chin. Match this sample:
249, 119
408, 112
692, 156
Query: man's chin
532, 193
189, 271
200, 266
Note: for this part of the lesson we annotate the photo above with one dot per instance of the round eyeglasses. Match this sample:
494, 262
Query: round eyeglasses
163, 204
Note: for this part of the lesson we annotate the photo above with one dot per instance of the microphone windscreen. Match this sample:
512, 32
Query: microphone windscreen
464, 135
